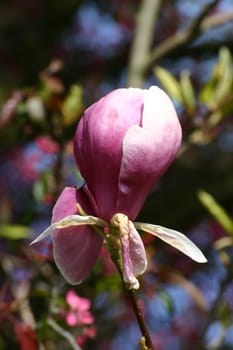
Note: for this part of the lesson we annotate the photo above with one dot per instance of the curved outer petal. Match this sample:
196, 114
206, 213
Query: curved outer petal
76, 248
98, 144
147, 151
127, 265
137, 251
134, 261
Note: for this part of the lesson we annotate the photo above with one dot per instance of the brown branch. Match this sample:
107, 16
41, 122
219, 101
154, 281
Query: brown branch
112, 245
181, 38
140, 318
141, 59
216, 20
142, 41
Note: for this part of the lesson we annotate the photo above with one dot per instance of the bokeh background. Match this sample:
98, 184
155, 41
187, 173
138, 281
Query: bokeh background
58, 57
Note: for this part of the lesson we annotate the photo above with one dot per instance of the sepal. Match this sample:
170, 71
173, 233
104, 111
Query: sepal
176, 239
68, 221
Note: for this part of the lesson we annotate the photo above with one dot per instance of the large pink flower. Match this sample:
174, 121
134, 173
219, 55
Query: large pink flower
122, 146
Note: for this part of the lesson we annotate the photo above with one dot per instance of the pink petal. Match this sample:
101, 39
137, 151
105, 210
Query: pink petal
127, 265
98, 144
90, 332
72, 299
75, 248
159, 109
134, 261
84, 304
133, 253
147, 151
76, 302
85, 317
71, 319
137, 251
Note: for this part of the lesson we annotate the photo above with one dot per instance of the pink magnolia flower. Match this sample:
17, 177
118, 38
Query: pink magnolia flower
122, 146
79, 313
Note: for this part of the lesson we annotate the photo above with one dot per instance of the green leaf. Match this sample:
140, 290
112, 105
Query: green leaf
216, 210
14, 232
72, 106
219, 84
169, 82
187, 91
167, 301
225, 78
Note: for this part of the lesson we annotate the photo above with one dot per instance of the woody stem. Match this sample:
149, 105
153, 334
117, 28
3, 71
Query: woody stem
140, 319
112, 244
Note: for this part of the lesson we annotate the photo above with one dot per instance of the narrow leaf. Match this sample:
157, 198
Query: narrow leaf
14, 231
187, 91
216, 210
223, 87
169, 82
72, 106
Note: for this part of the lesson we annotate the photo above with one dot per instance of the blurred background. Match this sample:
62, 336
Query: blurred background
58, 57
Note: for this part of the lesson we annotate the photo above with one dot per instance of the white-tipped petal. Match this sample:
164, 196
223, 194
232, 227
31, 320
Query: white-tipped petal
71, 220
43, 235
175, 239
77, 220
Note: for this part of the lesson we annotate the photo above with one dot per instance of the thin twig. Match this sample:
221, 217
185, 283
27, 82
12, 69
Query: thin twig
63, 333
142, 41
183, 37
140, 318
141, 59
114, 252
216, 20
